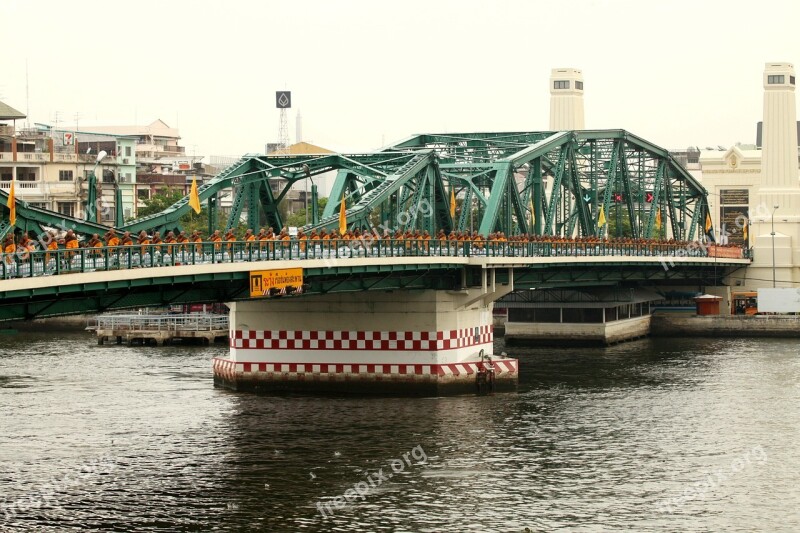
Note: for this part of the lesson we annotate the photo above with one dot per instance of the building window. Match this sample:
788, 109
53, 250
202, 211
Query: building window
40, 205
108, 176
127, 151
791, 80
23, 175
143, 194
579, 85
561, 84
775, 79
67, 208
64, 175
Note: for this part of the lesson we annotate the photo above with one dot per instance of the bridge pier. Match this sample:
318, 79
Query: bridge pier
421, 342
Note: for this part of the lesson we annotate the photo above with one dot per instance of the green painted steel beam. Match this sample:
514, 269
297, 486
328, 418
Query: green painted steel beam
502, 175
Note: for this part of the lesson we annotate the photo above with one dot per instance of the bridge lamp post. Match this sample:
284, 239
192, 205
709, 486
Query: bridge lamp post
91, 196
772, 233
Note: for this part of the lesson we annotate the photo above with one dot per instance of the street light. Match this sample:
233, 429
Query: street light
773, 244
91, 200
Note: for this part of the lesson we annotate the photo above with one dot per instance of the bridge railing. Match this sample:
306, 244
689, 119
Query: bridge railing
64, 261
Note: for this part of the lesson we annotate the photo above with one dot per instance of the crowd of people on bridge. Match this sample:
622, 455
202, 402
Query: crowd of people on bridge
311, 243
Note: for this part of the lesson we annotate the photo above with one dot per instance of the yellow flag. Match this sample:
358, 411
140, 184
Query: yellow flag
342, 219
601, 218
709, 225
658, 217
194, 198
452, 203
12, 205
744, 231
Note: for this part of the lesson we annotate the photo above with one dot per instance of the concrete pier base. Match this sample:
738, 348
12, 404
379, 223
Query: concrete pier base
422, 342
592, 334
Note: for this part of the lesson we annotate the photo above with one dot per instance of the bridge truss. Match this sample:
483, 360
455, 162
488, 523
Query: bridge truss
542, 183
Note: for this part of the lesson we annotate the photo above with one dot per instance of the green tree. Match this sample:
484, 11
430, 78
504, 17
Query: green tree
159, 201
302, 217
191, 221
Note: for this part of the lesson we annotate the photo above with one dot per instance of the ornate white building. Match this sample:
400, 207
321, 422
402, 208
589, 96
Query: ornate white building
761, 188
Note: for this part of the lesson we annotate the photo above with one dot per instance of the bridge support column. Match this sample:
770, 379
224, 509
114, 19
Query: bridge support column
423, 342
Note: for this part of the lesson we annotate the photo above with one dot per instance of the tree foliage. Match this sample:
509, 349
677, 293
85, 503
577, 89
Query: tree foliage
303, 216
191, 221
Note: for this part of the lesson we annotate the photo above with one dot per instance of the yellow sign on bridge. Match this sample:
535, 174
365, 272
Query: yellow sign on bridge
261, 281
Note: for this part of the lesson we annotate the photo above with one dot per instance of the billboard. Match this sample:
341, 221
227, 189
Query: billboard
779, 300
261, 281
732, 220
283, 99
734, 197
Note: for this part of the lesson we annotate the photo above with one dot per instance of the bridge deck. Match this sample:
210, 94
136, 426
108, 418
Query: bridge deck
92, 281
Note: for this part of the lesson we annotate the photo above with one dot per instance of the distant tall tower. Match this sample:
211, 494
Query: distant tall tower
283, 101
298, 128
779, 152
566, 99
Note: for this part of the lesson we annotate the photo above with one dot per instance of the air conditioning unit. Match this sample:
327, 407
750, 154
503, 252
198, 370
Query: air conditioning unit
125, 161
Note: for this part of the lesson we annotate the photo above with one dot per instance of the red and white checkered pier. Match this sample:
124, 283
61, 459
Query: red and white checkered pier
408, 343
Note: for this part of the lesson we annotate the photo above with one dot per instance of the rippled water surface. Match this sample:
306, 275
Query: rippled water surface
655, 435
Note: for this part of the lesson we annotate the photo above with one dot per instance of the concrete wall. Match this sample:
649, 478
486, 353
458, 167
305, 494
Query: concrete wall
725, 326
608, 333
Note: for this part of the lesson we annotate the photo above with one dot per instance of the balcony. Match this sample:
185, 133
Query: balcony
6, 130
65, 158
25, 190
36, 157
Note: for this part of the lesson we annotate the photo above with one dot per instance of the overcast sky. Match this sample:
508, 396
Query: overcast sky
362, 74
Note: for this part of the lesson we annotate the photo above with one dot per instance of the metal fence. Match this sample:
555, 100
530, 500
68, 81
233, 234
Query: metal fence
174, 323
64, 261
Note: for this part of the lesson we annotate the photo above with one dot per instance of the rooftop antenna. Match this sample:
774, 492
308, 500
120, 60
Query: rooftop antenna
55, 121
27, 98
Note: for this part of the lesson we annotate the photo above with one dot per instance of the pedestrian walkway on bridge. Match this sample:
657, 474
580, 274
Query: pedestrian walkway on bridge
30, 262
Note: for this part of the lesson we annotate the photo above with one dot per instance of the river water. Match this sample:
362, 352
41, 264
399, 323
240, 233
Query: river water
653, 435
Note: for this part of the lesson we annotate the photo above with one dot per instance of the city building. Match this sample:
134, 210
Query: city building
51, 167
759, 188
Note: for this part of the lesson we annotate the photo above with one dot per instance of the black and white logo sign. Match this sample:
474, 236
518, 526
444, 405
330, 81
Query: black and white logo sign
283, 99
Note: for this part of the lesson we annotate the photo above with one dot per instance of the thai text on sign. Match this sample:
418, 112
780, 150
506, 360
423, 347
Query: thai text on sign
261, 281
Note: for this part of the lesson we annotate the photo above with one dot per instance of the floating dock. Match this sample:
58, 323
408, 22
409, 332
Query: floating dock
135, 329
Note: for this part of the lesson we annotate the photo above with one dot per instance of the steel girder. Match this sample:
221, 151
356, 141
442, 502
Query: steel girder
35, 220
550, 183
554, 183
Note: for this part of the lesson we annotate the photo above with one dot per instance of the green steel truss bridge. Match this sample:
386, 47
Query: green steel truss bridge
542, 183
